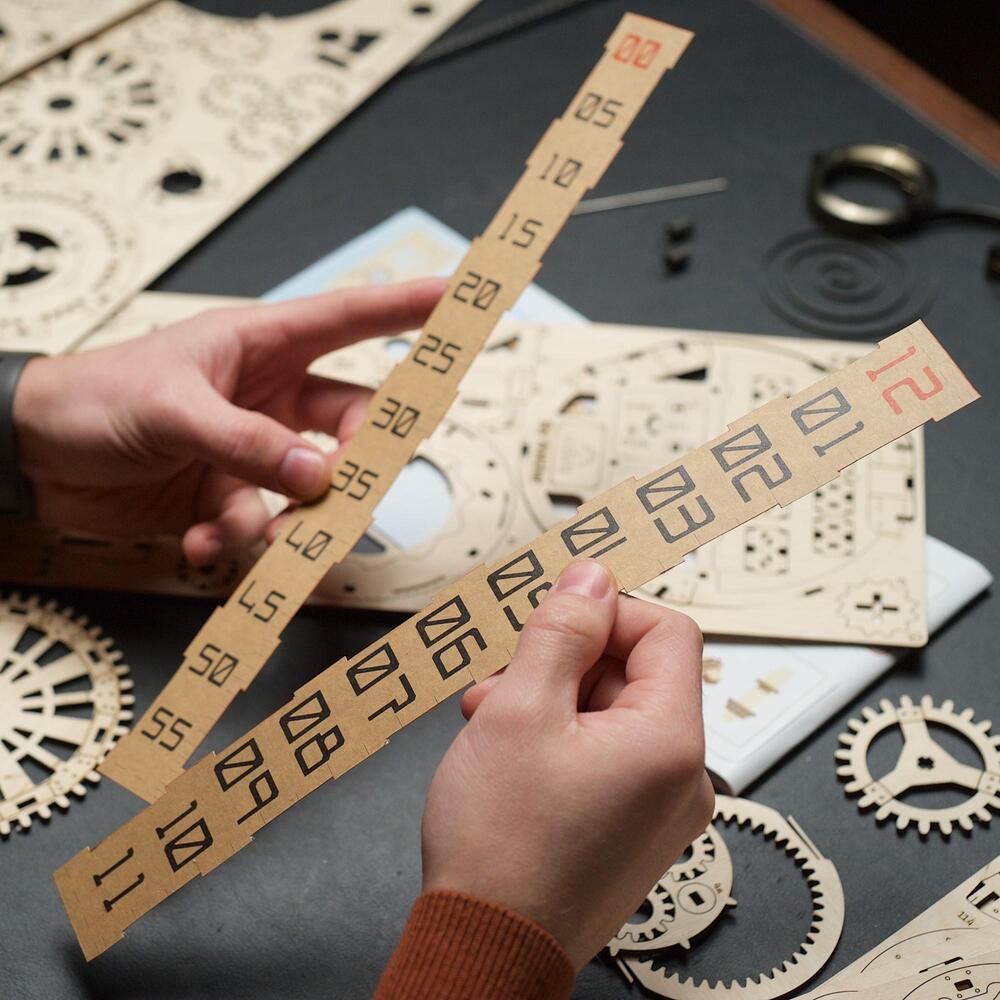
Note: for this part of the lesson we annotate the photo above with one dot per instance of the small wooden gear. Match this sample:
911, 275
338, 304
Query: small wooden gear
689, 897
922, 763
63, 704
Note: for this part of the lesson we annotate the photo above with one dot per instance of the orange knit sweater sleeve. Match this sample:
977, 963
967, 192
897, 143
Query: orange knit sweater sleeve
457, 947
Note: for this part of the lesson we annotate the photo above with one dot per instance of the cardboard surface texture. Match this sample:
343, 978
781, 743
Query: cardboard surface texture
472, 627
496, 269
121, 156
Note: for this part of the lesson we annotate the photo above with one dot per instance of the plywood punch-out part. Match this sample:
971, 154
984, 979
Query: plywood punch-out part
692, 894
52, 665
922, 763
826, 922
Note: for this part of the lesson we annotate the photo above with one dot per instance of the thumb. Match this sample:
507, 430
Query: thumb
563, 638
252, 447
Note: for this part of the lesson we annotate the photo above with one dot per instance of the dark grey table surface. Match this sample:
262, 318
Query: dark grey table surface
314, 907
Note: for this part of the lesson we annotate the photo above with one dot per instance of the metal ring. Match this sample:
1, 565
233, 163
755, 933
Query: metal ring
913, 177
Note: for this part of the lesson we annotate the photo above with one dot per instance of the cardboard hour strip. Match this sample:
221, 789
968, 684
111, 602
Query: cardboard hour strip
639, 528
238, 638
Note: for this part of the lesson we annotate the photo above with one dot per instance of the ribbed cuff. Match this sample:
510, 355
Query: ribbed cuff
457, 947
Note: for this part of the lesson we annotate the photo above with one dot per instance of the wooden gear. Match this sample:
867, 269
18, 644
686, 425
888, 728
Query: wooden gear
52, 665
692, 894
351, 709
824, 932
922, 763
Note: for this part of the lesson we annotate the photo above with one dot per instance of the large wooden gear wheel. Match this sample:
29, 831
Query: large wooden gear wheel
64, 702
922, 763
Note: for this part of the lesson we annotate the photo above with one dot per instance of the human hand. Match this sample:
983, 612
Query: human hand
580, 777
172, 432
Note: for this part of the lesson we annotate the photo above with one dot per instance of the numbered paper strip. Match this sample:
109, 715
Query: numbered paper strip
641, 527
237, 640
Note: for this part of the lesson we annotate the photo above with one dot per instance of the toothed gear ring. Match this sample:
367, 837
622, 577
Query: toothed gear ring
922, 763
692, 894
64, 702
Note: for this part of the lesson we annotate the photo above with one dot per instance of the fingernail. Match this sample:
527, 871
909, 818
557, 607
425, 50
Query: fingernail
302, 472
212, 550
588, 578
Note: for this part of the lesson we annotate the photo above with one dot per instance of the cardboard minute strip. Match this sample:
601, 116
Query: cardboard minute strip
638, 529
239, 637
33, 30
119, 156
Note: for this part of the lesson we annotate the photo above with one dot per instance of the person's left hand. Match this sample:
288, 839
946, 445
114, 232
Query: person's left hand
174, 431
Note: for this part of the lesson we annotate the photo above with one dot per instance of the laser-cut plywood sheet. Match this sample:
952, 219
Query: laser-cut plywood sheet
547, 417
573, 408
775, 454
934, 955
120, 157
34, 30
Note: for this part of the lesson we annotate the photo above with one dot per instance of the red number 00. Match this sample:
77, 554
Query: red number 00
640, 52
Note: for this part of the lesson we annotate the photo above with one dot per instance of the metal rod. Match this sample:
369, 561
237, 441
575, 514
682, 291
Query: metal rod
652, 195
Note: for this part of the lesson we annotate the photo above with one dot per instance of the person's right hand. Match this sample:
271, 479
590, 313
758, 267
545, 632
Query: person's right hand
580, 777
